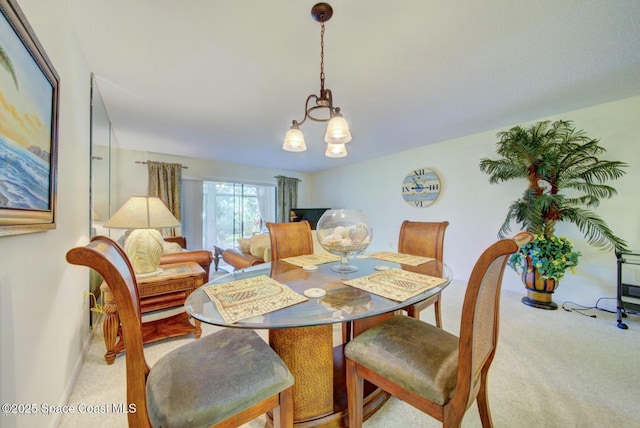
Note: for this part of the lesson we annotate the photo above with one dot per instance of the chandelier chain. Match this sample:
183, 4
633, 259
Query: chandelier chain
322, 58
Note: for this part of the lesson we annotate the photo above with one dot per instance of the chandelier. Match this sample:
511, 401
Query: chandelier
337, 134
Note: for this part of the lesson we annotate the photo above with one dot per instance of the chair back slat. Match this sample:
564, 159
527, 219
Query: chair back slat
422, 238
426, 239
481, 313
290, 239
107, 258
487, 310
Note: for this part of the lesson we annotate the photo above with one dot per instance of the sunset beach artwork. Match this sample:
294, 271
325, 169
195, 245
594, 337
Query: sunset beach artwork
28, 115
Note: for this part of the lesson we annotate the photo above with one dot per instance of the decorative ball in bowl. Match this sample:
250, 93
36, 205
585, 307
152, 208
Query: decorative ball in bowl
344, 233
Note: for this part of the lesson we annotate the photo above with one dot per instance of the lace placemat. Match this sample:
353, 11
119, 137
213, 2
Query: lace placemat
250, 297
312, 259
404, 259
396, 284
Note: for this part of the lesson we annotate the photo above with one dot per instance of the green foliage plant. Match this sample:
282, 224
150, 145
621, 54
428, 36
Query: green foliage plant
566, 180
551, 257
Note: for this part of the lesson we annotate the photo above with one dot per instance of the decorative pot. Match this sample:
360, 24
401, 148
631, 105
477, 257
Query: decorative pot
539, 290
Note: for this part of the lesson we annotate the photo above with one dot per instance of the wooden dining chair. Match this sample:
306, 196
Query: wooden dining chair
427, 367
225, 379
420, 238
290, 239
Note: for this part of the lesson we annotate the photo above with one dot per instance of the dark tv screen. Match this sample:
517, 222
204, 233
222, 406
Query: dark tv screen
312, 215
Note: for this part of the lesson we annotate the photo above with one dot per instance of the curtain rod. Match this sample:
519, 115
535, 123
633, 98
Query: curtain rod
144, 163
278, 176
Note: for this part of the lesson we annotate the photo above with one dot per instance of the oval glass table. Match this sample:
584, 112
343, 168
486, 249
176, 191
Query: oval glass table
303, 335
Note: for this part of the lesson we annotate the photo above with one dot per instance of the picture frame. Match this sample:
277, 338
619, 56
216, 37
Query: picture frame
29, 104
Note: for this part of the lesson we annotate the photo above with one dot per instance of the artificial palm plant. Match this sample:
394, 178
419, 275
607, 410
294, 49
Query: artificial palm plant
566, 179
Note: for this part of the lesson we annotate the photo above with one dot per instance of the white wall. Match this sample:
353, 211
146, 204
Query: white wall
476, 209
43, 313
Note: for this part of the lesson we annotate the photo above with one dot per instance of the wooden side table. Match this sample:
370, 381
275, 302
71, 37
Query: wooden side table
169, 289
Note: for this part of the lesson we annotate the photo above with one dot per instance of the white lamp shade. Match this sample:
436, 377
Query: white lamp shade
142, 212
294, 141
335, 151
337, 131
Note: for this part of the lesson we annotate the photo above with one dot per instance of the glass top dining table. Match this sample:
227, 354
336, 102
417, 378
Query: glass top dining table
303, 334
341, 303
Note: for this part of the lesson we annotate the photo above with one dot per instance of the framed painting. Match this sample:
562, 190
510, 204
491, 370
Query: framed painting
28, 127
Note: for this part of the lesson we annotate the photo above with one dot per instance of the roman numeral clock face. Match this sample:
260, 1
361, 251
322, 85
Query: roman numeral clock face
421, 187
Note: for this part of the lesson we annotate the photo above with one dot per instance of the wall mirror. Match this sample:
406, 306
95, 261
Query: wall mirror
102, 195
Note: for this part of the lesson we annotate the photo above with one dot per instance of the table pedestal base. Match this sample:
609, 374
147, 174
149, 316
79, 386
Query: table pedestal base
304, 350
319, 391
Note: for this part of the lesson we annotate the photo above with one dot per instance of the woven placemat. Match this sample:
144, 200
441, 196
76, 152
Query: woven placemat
404, 259
396, 284
250, 297
312, 259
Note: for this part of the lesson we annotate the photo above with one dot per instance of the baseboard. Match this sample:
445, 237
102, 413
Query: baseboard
71, 382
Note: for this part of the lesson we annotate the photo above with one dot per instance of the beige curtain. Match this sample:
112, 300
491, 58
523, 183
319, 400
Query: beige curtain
287, 198
164, 182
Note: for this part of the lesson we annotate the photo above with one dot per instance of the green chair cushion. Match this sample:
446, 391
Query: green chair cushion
411, 353
213, 378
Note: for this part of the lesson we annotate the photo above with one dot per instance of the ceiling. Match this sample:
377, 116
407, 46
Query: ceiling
223, 80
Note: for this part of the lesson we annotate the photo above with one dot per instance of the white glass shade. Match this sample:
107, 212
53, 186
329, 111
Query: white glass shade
337, 131
294, 141
335, 151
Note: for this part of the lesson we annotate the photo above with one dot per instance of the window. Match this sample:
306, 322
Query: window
235, 210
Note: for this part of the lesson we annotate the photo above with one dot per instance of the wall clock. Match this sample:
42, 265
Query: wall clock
421, 187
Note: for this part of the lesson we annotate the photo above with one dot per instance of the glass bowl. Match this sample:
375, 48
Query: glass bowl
344, 233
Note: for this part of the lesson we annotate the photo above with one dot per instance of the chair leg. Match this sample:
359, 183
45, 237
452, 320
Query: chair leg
483, 402
346, 332
413, 312
438, 313
283, 414
446, 423
355, 393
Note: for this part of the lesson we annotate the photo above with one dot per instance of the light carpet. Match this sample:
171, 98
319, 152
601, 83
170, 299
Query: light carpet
552, 369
